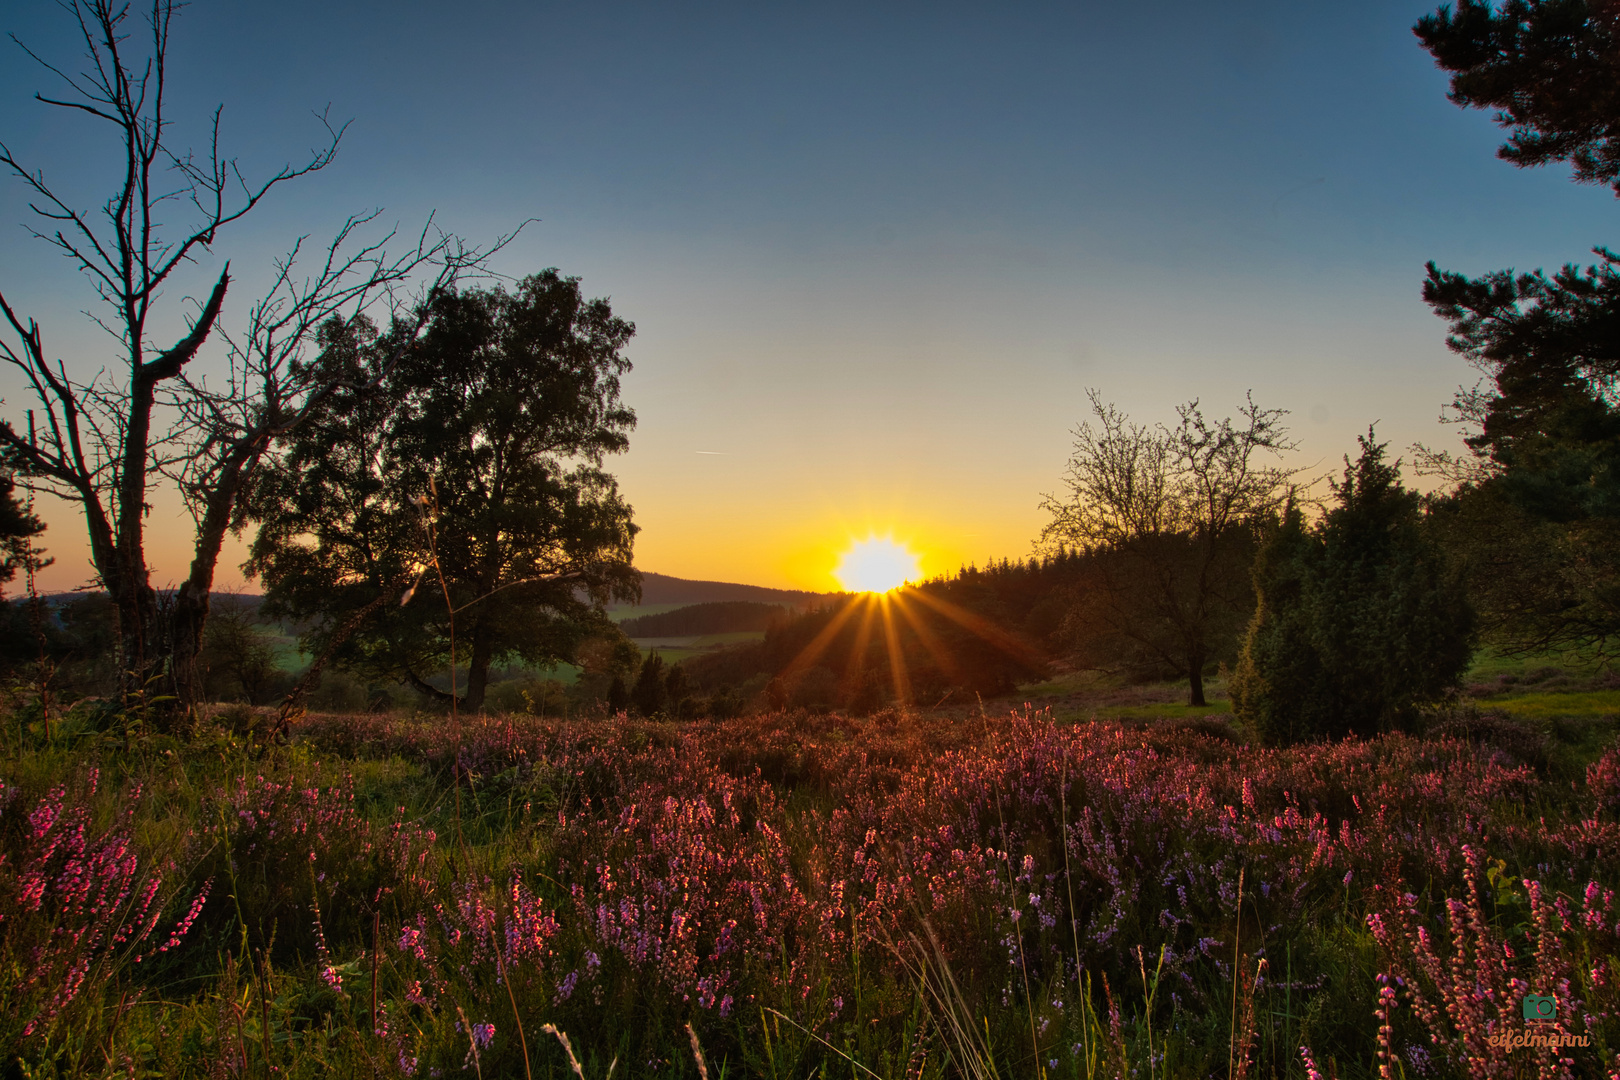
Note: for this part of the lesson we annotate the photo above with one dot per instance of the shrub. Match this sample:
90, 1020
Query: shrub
1603, 781
79, 908
1360, 619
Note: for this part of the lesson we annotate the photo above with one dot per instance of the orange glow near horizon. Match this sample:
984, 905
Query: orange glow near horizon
877, 564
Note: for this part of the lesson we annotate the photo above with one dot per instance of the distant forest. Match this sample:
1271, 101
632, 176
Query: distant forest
978, 631
664, 589
721, 617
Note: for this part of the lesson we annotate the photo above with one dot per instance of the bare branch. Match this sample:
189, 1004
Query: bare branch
101, 442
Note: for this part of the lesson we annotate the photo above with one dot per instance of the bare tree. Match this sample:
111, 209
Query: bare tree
1168, 516
103, 437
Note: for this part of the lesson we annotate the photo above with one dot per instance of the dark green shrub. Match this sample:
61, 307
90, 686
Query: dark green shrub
648, 694
1280, 687
1360, 618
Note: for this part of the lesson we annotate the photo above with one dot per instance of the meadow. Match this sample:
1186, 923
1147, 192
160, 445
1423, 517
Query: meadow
991, 892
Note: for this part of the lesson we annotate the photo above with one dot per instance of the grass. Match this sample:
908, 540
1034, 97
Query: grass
1560, 704
1082, 696
1491, 664
673, 654
906, 896
1542, 688
700, 641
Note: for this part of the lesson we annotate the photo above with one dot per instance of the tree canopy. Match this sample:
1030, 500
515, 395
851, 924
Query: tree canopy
1550, 69
1535, 516
477, 456
1169, 515
1551, 346
18, 527
102, 434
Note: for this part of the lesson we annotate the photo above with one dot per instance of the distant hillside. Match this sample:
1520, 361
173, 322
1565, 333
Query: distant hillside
663, 589
720, 617
656, 589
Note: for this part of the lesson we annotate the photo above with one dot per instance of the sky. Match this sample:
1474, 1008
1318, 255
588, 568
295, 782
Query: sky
876, 253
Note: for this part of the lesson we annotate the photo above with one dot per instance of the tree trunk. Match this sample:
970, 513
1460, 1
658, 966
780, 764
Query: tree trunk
186, 623
1195, 683
146, 635
478, 670
136, 604
191, 602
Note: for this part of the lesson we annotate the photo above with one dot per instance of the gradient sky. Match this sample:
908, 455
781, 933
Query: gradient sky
875, 253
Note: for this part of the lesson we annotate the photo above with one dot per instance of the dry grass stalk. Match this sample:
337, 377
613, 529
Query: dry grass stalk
697, 1053
523, 1039
948, 1006
568, 1048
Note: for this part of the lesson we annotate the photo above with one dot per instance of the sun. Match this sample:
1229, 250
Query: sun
877, 564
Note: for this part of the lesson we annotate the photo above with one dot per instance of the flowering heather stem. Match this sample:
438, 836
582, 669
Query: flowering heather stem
1018, 935
264, 1008
472, 1041
1386, 1049
1311, 1071
376, 933
1237, 937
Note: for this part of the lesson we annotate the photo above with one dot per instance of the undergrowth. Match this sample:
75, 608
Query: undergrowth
792, 895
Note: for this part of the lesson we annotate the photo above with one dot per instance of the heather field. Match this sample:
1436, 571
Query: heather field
795, 895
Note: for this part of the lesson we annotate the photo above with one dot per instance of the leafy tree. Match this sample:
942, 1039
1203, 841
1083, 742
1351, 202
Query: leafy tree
717, 617
602, 657
649, 693
726, 703
1537, 584
1548, 433
101, 435
1168, 516
1360, 619
1551, 69
18, 527
477, 458
1544, 430
24, 626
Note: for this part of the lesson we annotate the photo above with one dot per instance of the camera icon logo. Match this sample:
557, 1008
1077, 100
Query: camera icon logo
1540, 1007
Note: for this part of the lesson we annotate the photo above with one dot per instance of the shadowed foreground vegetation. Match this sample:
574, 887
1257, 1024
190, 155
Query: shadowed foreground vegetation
898, 896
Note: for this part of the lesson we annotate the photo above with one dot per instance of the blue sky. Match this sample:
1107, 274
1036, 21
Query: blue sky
877, 253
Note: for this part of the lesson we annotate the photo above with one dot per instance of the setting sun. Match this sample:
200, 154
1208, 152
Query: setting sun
877, 564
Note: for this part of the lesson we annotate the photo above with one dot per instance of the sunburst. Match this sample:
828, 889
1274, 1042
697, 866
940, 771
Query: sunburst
877, 564
907, 619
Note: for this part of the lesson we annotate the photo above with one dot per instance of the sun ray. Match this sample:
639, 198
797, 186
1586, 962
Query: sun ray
925, 634
808, 655
977, 625
863, 635
897, 655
